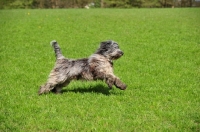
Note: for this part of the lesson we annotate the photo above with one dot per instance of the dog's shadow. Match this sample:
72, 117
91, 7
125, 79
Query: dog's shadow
99, 89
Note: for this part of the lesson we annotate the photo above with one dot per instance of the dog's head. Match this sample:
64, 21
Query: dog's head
110, 50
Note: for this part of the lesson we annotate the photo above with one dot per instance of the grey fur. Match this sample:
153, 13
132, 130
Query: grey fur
98, 66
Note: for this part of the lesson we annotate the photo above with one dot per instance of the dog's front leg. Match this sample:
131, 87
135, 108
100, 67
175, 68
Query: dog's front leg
111, 80
119, 84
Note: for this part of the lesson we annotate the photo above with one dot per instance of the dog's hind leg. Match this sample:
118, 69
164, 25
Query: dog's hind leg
46, 88
58, 88
50, 84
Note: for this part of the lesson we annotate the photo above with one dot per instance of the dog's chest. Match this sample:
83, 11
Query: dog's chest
100, 64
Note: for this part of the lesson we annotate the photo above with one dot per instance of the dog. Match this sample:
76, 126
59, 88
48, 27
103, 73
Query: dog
99, 66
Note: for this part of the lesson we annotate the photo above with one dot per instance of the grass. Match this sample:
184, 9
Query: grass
161, 67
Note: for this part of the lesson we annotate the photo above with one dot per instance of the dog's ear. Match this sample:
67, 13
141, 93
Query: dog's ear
107, 42
104, 44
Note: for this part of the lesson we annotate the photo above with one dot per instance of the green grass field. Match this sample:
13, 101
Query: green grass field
161, 67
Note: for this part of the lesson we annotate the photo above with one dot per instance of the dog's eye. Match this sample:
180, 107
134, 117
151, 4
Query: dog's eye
116, 47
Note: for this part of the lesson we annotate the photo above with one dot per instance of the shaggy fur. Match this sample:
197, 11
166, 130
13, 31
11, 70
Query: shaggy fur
98, 66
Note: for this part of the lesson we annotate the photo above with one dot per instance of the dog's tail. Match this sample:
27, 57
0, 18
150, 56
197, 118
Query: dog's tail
57, 49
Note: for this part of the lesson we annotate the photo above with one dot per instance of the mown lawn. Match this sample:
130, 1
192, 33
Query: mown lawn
161, 67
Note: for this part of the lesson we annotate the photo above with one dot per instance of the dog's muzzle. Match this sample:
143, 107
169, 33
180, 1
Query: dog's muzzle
121, 53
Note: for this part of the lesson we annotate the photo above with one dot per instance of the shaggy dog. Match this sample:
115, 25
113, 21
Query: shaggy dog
98, 66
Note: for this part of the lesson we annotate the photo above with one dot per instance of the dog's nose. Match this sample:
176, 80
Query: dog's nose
121, 52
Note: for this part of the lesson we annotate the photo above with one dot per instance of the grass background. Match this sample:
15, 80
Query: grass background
161, 67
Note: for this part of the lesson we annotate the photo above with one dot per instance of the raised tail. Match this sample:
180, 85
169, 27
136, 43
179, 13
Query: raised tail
57, 49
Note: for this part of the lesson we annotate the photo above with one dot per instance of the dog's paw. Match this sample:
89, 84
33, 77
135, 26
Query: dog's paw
123, 87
